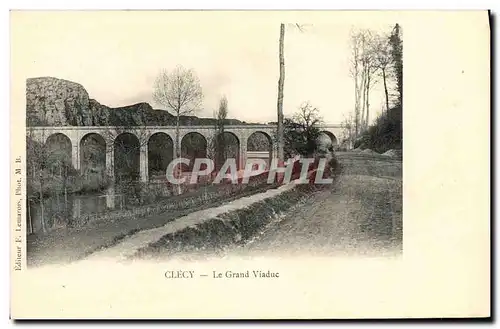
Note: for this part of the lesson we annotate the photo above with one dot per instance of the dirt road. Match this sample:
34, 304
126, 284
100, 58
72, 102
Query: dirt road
361, 214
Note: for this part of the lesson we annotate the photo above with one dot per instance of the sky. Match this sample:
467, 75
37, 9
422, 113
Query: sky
116, 56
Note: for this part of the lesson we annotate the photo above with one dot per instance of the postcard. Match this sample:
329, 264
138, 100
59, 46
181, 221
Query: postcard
250, 164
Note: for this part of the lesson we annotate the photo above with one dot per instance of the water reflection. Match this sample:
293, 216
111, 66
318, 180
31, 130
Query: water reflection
60, 210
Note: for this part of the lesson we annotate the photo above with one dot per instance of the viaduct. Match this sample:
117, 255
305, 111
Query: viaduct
76, 136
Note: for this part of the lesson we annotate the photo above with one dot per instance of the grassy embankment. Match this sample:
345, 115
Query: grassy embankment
238, 226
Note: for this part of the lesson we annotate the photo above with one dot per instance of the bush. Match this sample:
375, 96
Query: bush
334, 165
91, 182
362, 142
385, 134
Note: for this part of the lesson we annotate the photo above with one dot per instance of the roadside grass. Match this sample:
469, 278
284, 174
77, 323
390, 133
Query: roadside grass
370, 165
381, 197
381, 206
233, 228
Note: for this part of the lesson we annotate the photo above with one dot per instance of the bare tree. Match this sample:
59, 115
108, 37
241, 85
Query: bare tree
180, 91
382, 60
281, 84
355, 72
363, 71
348, 130
302, 131
369, 68
307, 116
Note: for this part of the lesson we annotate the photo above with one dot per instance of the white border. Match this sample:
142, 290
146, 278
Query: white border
191, 4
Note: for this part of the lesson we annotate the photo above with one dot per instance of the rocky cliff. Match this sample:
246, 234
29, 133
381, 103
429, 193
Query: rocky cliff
56, 102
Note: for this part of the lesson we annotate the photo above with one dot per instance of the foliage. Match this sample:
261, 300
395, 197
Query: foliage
50, 171
396, 44
258, 142
301, 131
385, 134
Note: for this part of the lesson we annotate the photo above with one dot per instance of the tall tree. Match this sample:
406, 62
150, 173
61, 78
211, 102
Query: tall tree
369, 77
382, 57
355, 71
221, 116
363, 71
179, 90
281, 83
396, 44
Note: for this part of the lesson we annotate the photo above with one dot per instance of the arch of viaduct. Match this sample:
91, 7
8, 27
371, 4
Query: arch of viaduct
75, 134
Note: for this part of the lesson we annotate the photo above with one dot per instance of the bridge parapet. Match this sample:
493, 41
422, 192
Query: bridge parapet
75, 134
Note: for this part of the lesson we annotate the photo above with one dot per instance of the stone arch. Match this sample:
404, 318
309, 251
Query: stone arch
160, 154
126, 157
327, 139
258, 143
193, 145
59, 151
93, 153
227, 147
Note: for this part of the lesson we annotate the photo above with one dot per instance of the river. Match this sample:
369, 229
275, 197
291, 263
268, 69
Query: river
59, 210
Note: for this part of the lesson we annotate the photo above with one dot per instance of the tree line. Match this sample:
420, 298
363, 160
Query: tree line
376, 58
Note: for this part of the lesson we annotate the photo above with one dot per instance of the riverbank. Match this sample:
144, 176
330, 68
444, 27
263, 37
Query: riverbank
79, 241
71, 244
71, 184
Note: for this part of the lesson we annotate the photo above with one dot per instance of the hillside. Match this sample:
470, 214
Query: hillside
57, 102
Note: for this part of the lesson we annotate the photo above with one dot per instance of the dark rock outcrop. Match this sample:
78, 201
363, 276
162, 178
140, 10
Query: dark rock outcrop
57, 102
